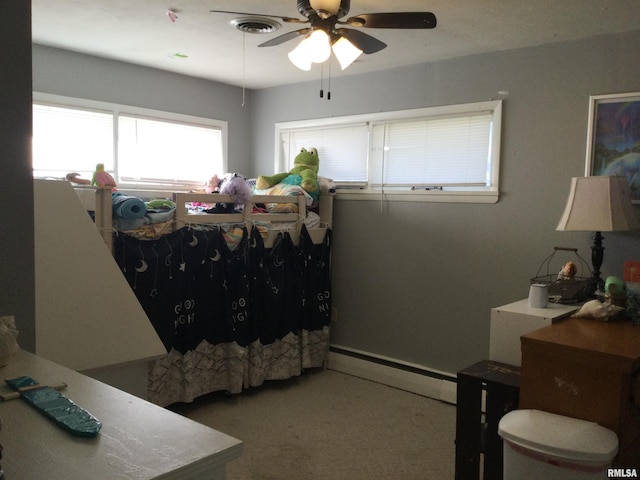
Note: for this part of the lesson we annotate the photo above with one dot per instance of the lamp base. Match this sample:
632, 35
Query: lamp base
595, 287
597, 255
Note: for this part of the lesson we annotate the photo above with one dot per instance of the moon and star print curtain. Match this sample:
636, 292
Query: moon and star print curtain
229, 318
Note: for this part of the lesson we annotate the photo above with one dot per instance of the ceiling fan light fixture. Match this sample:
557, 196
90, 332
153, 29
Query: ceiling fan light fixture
314, 48
346, 52
299, 57
329, 7
317, 46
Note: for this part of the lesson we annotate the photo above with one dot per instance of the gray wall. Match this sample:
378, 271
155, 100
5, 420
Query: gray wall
72, 74
17, 277
416, 281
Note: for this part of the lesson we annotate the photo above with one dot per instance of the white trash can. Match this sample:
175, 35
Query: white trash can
540, 445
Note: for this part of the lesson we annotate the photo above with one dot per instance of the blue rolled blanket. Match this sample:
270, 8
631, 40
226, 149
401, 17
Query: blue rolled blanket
127, 207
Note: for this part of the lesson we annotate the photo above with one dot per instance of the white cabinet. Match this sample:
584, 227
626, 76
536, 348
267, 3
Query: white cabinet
511, 321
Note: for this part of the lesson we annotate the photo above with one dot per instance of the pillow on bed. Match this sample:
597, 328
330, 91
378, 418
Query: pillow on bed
150, 218
327, 185
286, 190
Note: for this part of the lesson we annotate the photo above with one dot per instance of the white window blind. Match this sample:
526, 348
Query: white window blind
439, 151
161, 152
342, 150
69, 140
140, 148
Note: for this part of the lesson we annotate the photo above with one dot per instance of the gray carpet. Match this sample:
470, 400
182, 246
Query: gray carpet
326, 425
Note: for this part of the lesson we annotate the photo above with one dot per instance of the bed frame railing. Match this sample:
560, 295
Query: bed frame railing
248, 216
102, 205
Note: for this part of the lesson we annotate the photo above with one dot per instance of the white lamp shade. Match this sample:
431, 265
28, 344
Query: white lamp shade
317, 46
346, 52
599, 204
329, 6
299, 57
314, 48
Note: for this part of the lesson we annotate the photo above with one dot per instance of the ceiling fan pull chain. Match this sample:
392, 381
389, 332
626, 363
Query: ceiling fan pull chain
244, 67
329, 87
321, 80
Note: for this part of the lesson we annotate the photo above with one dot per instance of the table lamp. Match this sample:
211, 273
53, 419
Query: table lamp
598, 204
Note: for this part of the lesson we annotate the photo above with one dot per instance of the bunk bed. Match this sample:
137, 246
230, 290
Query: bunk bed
236, 298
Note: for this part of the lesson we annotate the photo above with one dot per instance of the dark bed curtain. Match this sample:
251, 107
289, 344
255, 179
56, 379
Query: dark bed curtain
229, 319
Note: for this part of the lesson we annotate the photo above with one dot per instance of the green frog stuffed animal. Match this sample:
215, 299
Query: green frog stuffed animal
304, 173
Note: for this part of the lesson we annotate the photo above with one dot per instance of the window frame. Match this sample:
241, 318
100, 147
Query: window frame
483, 194
144, 113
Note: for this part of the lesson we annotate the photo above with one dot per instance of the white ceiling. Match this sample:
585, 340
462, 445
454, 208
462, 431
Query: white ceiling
141, 32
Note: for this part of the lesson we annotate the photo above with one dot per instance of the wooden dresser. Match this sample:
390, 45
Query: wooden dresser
587, 369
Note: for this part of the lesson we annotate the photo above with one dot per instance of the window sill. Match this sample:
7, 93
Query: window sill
433, 196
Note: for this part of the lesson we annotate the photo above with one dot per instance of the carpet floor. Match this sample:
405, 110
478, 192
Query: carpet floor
326, 425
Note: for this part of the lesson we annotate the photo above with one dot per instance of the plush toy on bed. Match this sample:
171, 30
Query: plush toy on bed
102, 178
233, 184
75, 178
212, 185
304, 173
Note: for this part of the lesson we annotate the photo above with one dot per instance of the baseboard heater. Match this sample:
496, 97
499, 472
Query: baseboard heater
395, 373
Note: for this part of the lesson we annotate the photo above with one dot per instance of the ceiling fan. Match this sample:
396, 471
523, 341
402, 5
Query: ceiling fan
326, 33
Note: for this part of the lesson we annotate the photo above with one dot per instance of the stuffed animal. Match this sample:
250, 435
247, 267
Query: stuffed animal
75, 178
160, 204
212, 185
233, 184
102, 178
304, 173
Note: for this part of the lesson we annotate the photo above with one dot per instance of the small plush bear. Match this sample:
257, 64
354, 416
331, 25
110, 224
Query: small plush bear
304, 173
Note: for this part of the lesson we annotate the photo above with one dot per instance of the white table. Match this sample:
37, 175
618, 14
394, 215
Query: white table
138, 440
509, 322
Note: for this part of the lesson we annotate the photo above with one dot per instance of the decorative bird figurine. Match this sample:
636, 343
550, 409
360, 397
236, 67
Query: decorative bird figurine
103, 179
568, 271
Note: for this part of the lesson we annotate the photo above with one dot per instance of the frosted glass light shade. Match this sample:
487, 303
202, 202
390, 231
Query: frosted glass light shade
346, 52
314, 48
299, 57
598, 204
317, 45
329, 6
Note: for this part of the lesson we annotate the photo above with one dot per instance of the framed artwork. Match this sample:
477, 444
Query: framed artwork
613, 140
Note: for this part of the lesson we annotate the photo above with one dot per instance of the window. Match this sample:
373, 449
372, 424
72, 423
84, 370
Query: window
71, 140
342, 150
163, 152
446, 153
141, 148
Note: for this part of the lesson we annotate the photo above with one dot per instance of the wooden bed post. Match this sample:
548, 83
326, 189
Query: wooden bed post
326, 209
104, 215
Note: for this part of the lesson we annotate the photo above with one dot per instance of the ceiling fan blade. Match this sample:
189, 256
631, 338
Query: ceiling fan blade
394, 20
285, 38
284, 19
363, 41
